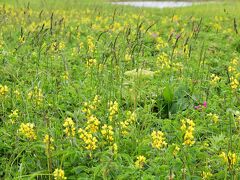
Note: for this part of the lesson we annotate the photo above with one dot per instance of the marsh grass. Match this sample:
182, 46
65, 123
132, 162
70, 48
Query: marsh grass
99, 91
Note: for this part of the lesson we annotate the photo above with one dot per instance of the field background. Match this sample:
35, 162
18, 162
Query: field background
90, 90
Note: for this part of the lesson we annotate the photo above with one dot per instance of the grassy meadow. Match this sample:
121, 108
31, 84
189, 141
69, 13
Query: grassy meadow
90, 90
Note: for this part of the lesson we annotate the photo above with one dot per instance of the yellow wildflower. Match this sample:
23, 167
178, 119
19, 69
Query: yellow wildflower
3, 90
88, 139
234, 83
114, 148
214, 79
176, 150
17, 93
214, 117
90, 42
59, 174
36, 95
91, 62
13, 116
69, 127
92, 124
160, 43
188, 128
230, 158
48, 141
107, 132
65, 76
128, 57
113, 109
139, 163
163, 61
28, 130
206, 175
158, 139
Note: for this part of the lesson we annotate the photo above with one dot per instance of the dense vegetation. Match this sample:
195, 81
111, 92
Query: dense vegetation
95, 91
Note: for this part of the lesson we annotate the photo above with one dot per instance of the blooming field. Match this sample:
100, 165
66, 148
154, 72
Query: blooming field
109, 92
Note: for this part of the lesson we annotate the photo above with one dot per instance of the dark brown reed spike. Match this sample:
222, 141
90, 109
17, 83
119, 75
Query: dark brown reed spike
170, 37
100, 35
113, 17
138, 36
128, 33
51, 27
40, 14
190, 51
198, 28
235, 25
150, 27
186, 42
228, 75
193, 26
21, 31
202, 54
61, 22
28, 5
114, 47
41, 28
133, 50
175, 45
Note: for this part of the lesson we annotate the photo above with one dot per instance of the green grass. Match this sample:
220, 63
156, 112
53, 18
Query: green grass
120, 91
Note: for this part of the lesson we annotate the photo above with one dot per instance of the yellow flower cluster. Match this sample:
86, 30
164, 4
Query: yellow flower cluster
59, 174
55, 46
116, 26
214, 79
28, 130
233, 65
61, 46
13, 116
48, 141
69, 126
234, 79
139, 163
17, 93
206, 175
163, 61
21, 39
188, 129
107, 132
176, 150
3, 90
160, 43
114, 148
186, 50
213, 117
230, 158
65, 76
89, 107
125, 125
88, 139
234, 83
128, 57
217, 26
90, 42
91, 62
158, 140
113, 109
36, 95
92, 124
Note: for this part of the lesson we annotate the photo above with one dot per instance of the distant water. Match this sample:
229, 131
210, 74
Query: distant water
155, 4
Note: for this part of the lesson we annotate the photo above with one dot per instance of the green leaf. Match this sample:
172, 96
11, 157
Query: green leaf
168, 94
